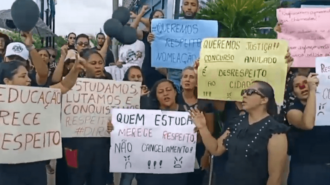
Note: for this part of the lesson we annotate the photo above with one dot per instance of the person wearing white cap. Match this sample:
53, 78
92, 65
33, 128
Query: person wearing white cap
19, 51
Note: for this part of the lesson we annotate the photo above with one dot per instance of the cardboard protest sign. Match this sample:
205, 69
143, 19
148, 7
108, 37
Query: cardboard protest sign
86, 108
229, 65
308, 33
322, 67
177, 42
152, 141
30, 128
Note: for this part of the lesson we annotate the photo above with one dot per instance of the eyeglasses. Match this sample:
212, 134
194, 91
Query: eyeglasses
83, 44
250, 92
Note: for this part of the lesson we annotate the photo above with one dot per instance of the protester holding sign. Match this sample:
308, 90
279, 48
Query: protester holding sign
180, 55
164, 97
310, 154
15, 73
84, 164
256, 143
134, 74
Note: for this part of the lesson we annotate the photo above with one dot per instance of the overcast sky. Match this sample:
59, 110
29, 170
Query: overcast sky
79, 16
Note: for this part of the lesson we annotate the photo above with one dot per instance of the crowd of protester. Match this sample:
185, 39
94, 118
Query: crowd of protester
259, 144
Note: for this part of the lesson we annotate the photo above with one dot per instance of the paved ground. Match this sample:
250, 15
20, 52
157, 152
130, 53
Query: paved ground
51, 178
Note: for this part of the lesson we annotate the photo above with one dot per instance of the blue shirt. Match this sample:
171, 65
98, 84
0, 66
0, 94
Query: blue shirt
309, 146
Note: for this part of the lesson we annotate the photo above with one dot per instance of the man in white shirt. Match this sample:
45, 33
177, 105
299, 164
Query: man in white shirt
132, 54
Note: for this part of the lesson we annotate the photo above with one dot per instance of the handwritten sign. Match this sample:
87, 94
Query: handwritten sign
152, 141
86, 108
229, 65
308, 33
30, 128
322, 67
177, 42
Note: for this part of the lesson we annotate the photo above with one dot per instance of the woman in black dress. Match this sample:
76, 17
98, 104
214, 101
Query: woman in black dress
255, 142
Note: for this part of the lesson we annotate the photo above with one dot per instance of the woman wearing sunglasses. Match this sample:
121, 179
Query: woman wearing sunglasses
255, 142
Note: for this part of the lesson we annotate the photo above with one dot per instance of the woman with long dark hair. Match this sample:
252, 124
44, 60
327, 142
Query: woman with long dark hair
134, 74
256, 143
33, 173
163, 96
309, 144
93, 152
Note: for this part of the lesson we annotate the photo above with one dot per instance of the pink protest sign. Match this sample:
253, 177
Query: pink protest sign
308, 33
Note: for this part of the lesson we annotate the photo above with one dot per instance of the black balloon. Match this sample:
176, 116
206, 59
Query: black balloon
128, 35
122, 14
25, 14
112, 27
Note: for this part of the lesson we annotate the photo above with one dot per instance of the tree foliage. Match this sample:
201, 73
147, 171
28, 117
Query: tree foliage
242, 18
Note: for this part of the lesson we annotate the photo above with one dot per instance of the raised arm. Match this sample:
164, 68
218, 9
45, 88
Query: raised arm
306, 120
214, 146
143, 20
105, 48
39, 65
70, 79
135, 23
58, 73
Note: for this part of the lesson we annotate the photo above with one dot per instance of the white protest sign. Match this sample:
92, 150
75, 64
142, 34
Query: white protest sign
30, 128
152, 141
322, 67
86, 107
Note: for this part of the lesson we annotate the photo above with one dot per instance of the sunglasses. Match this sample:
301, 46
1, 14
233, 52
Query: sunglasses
83, 44
250, 92
72, 37
53, 56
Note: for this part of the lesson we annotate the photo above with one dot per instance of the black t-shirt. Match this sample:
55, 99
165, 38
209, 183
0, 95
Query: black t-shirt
203, 105
145, 102
109, 58
151, 75
33, 77
309, 146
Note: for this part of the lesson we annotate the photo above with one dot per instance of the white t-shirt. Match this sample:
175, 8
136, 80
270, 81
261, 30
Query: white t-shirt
132, 54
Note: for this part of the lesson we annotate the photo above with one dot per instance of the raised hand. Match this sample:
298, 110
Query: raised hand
312, 81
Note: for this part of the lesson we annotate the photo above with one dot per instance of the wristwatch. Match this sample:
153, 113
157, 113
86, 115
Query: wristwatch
29, 48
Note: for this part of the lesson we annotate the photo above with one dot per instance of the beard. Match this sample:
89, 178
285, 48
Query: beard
189, 15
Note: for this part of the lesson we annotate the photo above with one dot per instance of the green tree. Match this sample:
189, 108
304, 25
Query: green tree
18, 38
242, 18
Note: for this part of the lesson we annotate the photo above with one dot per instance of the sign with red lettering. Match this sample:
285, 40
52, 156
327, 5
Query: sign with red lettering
152, 141
30, 128
86, 107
